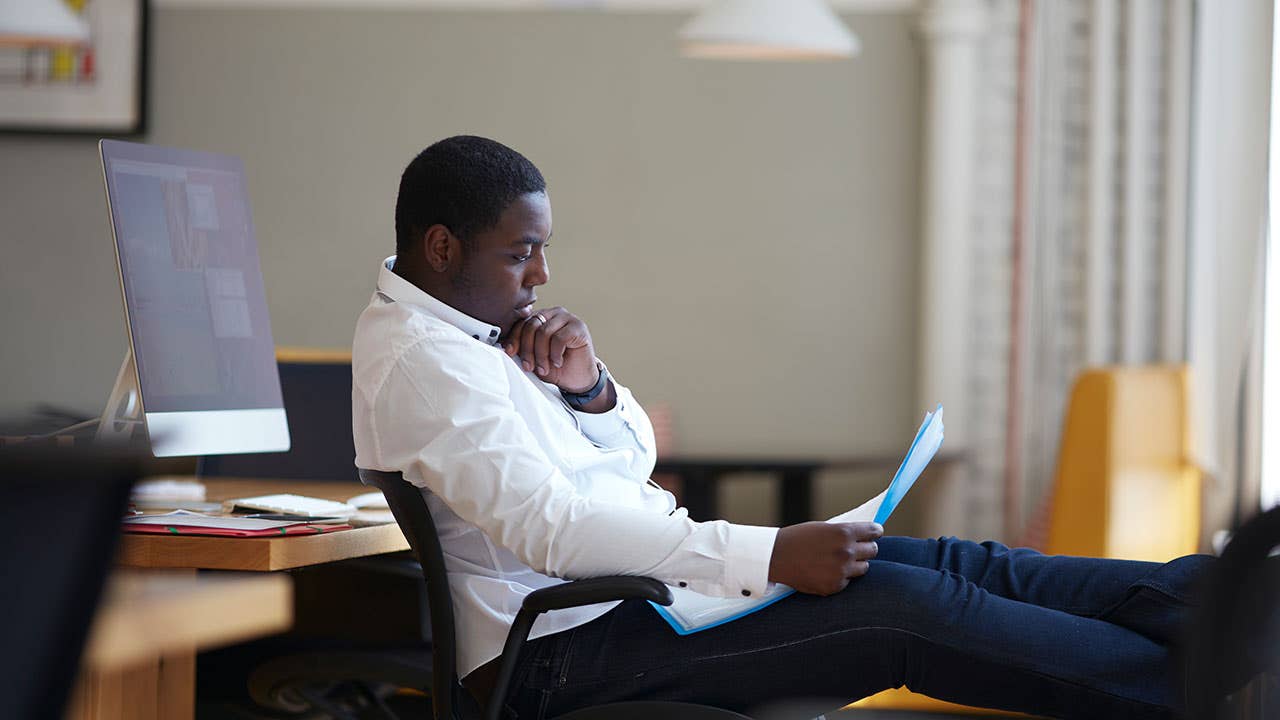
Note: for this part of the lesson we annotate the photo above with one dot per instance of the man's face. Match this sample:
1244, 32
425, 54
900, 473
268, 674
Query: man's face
502, 266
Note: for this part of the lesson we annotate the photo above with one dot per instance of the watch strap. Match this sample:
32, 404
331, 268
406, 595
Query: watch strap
578, 400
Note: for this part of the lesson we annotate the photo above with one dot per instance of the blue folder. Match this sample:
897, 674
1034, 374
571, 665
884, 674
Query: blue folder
693, 612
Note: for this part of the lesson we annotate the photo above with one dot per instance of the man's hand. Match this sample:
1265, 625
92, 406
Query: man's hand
819, 558
555, 345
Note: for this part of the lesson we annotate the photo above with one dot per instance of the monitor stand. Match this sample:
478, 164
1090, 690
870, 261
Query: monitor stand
124, 423
123, 414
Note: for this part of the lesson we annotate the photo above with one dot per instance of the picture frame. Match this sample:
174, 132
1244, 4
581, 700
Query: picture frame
97, 89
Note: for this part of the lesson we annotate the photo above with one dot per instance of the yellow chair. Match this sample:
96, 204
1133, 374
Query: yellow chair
1126, 486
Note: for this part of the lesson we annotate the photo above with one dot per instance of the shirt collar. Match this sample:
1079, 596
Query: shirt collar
403, 291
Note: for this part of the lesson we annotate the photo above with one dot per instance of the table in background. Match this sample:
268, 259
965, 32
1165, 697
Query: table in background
700, 478
139, 661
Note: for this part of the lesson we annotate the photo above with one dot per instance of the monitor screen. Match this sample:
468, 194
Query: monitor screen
194, 300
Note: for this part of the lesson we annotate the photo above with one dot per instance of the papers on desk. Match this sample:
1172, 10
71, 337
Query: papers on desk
182, 522
290, 504
693, 612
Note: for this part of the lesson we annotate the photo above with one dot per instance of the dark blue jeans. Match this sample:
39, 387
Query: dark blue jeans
978, 624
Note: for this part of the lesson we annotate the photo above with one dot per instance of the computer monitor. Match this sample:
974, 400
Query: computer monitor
200, 373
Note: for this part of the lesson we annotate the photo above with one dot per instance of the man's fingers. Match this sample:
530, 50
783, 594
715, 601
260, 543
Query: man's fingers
857, 568
513, 337
866, 531
506, 339
539, 342
511, 344
527, 339
535, 326
865, 550
542, 341
556, 348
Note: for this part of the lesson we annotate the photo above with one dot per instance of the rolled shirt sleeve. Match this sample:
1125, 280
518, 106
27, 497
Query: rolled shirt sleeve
624, 426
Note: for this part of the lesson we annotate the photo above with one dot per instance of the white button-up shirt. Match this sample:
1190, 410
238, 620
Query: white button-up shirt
523, 489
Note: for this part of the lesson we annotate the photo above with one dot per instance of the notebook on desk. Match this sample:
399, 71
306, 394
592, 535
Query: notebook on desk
692, 612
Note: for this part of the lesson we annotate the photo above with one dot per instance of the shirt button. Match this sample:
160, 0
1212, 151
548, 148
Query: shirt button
684, 584
746, 593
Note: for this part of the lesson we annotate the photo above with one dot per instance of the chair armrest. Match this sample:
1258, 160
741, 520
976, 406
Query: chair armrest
597, 590
558, 597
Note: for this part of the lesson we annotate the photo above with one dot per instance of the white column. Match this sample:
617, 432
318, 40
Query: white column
951, 30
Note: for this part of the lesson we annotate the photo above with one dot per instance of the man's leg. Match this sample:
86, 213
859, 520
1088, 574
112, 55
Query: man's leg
932, 631
1150, 598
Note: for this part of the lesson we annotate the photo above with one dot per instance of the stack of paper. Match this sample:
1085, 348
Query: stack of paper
693, 612
182, 522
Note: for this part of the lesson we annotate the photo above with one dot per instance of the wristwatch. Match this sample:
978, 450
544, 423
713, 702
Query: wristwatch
578, 400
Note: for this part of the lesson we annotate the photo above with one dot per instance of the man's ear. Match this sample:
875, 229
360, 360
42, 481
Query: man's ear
441, 248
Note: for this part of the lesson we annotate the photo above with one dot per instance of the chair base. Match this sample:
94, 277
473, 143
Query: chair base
282, 683
647, 710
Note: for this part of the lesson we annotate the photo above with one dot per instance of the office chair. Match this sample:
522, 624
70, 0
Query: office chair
449, 700
61, 517
1235, 632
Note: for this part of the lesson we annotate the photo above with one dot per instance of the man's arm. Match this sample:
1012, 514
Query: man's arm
813, 557
451, 427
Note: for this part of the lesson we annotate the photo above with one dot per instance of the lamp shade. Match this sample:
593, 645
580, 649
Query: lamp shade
40, 22
768, 30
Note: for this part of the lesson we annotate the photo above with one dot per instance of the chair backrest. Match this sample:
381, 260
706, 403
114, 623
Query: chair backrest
60, 515
413, 516
316, 387
1232, 636
1126, 484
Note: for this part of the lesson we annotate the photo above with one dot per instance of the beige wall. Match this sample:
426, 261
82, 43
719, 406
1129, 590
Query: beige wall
740, 237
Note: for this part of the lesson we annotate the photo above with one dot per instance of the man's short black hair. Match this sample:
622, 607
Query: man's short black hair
464, 183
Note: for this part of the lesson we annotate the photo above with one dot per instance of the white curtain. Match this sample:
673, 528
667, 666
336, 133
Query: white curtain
1079, 226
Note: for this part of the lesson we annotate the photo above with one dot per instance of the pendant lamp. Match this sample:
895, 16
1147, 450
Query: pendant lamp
768, 30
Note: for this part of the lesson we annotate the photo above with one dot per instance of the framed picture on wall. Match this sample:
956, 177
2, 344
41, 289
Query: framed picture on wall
93, 87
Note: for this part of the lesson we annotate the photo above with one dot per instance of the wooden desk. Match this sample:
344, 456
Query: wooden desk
262, 554
139, 660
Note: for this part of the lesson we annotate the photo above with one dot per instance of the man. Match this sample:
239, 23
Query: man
535, 464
